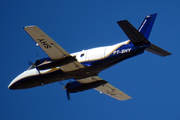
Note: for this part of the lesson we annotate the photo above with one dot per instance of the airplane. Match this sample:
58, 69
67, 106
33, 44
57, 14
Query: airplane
84, 66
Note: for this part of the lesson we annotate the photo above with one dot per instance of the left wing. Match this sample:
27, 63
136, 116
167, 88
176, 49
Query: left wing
106, 88
51, 48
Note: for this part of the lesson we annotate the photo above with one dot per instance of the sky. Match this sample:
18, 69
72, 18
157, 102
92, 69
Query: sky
152, 81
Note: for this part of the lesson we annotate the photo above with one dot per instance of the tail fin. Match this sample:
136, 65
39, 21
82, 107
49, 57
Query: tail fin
147, 24
139, 37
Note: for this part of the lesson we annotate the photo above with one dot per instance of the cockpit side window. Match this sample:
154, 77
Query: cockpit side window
38, 62
31, 67
34, 65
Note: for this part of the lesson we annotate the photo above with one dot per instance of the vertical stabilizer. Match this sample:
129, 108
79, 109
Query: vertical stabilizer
140, 37
147, 24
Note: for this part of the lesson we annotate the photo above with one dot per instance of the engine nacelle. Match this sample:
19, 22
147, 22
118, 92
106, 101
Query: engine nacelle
53, 64
76, 86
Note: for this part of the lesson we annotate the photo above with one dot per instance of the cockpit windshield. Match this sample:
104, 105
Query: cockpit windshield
38, 62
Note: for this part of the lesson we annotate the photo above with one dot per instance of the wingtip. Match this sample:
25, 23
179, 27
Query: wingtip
126, 99
29, 26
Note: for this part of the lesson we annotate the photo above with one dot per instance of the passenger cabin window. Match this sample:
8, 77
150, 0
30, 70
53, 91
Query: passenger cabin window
82, 55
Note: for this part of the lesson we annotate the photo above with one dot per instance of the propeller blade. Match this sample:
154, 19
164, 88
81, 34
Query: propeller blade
30, 62
68, 96
62, 83
37, 63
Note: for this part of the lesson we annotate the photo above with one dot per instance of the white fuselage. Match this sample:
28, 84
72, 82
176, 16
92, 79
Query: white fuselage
89, 55
97, 53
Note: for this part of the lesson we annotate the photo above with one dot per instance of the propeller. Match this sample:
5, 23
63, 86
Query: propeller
68, 96
60, 82
66, 88
34, 65
30, 62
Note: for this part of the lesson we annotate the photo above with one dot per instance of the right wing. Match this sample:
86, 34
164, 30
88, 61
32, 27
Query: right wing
106, 88
51, 48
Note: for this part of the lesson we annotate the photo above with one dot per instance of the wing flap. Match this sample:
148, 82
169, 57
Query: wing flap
106, 88
72, 66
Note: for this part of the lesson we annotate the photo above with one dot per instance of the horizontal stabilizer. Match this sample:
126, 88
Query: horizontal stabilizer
132, 33
157, 50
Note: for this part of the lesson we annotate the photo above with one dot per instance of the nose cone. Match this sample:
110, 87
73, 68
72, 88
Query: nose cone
12, 86
17, 84
14, 83
9, 86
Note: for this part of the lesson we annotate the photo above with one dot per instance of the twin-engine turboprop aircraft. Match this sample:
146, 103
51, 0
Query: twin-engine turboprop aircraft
84, 66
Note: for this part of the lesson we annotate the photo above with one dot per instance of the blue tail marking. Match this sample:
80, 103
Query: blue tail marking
147, 24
